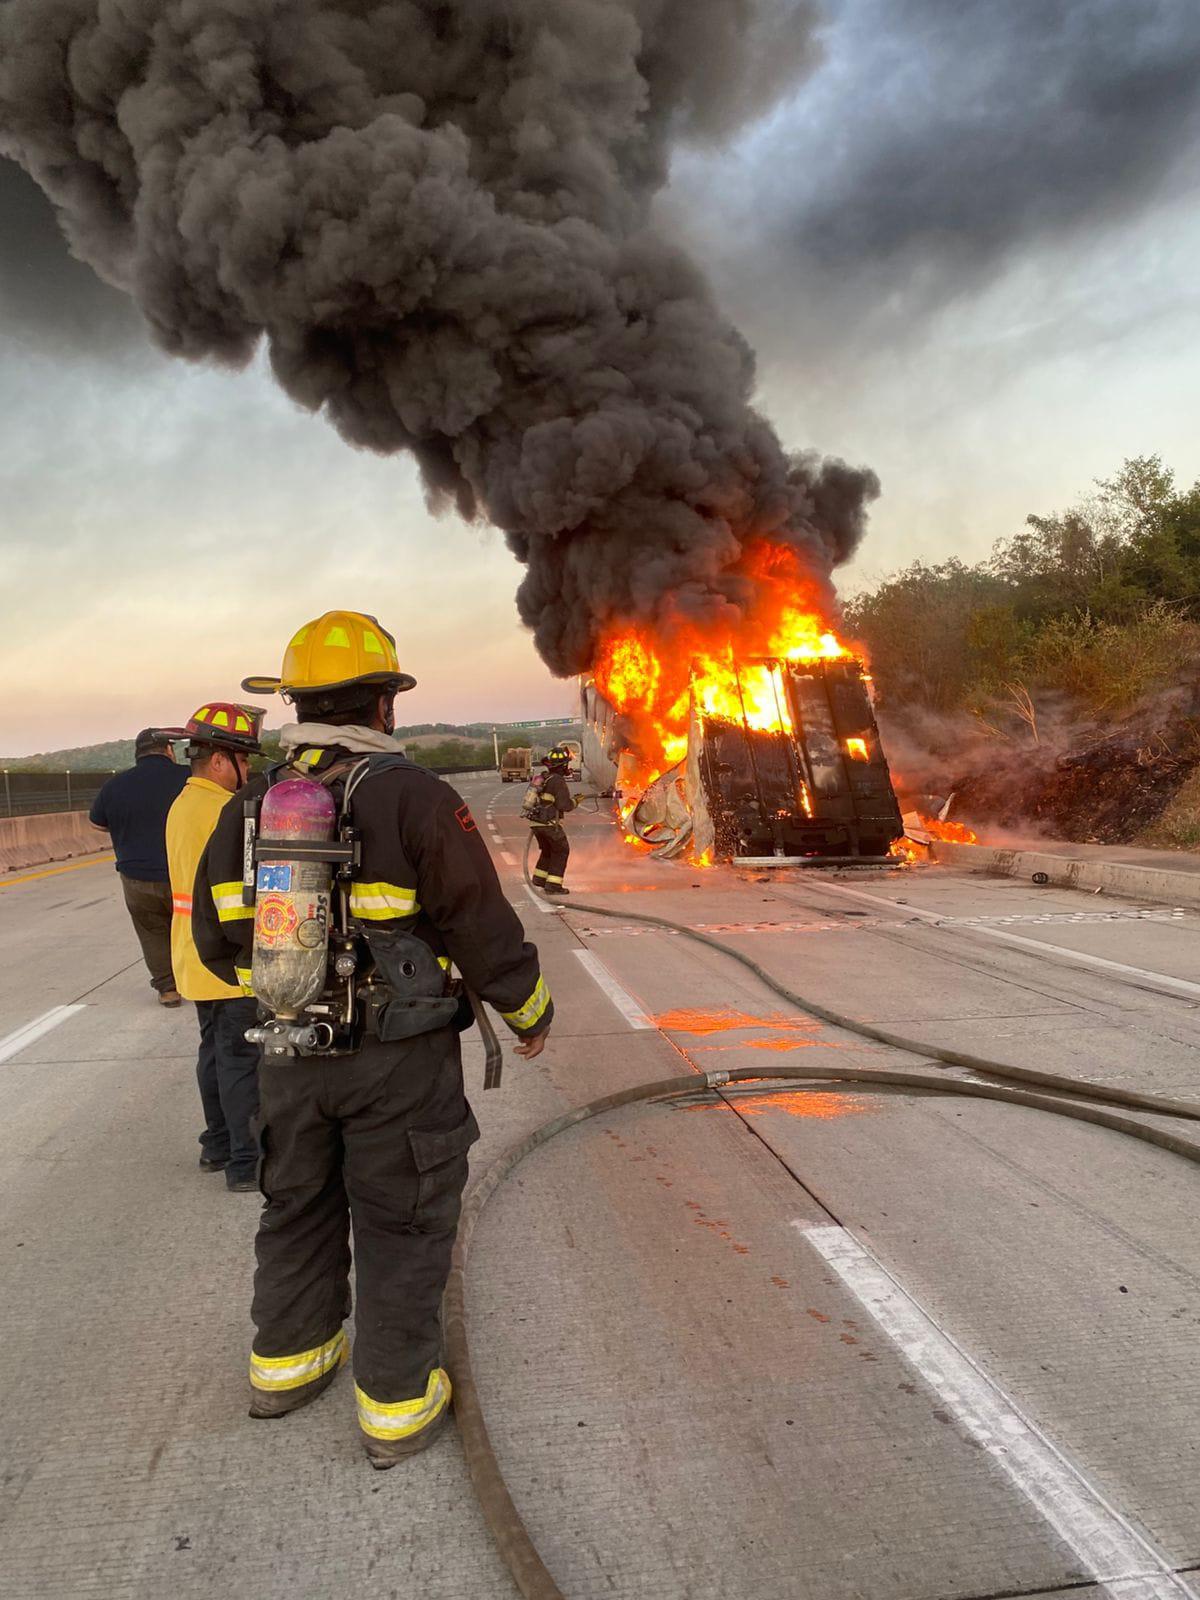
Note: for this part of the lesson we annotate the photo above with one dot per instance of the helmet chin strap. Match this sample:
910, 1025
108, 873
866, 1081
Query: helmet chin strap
389, 713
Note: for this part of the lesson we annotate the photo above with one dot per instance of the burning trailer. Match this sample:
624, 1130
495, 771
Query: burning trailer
782, 762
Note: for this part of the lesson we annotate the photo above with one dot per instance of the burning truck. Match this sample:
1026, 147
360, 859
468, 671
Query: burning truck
727, 752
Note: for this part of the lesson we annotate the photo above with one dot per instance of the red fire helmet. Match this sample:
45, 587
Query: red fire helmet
226, 726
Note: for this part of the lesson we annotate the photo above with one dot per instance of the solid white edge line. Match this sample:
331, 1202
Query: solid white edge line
13, 1043
621, 998
1105, 1542
542, 905
1041, 947
507, 855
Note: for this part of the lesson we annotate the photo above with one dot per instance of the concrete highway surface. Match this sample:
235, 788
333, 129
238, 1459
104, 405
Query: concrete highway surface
834, 1345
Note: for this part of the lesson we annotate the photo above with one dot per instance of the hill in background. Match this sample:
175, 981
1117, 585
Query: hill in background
433, 739
110, 757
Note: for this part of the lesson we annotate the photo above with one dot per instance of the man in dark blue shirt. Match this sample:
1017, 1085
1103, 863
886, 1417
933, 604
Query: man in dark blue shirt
133, 807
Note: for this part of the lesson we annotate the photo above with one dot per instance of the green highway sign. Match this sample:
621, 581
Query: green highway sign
544, 722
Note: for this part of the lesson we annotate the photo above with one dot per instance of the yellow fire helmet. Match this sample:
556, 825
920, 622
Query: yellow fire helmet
336, 650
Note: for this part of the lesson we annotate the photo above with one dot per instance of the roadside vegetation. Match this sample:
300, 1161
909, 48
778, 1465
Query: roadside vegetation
1070, 656
440, 755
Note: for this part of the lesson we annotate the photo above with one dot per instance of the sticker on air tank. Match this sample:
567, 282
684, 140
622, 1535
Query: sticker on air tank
275, 875
275, 919
314, 928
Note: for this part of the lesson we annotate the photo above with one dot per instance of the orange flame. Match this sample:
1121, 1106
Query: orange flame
952, 832
651, 680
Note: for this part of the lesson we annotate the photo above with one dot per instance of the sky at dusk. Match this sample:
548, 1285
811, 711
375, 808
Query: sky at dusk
963, 247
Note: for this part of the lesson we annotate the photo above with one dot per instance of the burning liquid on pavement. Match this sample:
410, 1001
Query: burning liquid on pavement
952, 832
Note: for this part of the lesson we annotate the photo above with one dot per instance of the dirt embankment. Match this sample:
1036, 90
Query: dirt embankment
1137, 785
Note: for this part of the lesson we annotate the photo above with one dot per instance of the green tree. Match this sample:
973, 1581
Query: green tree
917, 630
1099, 603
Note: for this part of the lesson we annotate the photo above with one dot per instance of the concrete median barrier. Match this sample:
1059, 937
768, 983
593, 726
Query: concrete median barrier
1132, 875
57, 836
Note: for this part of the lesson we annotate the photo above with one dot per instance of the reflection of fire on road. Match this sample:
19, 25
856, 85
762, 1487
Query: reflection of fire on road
822, 1105
747, 741
723, 1020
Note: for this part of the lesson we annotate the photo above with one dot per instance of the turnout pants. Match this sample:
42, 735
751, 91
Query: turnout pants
555, 849
227, 1072
375, 1144
149, 907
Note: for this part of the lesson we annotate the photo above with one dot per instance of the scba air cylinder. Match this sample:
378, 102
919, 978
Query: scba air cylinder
291, 897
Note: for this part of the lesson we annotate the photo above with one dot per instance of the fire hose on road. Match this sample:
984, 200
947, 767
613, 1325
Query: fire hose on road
516, 1547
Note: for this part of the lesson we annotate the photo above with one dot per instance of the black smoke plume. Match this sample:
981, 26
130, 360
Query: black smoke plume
47, 300
436, 214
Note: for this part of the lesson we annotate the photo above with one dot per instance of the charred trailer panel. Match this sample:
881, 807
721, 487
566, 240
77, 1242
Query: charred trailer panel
815, 788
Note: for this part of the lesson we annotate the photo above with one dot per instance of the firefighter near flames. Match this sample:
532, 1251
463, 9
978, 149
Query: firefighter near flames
547, 801
351, 891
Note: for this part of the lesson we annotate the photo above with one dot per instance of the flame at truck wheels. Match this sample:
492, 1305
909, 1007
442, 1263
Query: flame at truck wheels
792, 768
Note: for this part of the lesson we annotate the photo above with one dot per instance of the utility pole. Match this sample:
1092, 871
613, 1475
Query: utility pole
495, 747
68, 788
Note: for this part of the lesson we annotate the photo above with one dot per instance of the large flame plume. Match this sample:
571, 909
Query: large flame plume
650, 679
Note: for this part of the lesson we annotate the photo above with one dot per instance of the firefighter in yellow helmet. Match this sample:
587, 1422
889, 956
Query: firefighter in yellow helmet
364, 1125
547, 802
221, 740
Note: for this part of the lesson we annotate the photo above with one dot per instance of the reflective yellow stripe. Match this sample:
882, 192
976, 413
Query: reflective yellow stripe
293, 1372
403, 1418
308, 758
243, 975
532, 1010
379, 902
444, 963
550, 878
227, 898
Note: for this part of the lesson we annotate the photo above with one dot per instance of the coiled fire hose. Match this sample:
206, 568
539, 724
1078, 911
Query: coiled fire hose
513, 1541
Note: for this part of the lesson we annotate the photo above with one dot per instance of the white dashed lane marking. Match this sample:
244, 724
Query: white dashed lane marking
13, 1043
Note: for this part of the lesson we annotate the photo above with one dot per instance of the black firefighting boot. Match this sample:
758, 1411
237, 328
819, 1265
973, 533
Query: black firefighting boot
391, 1433
555, 888
288, 1394
385, 1453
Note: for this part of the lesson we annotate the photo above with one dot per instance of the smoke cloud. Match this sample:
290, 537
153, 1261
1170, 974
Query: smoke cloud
952, 136
47, 300
437, 216
1033, 119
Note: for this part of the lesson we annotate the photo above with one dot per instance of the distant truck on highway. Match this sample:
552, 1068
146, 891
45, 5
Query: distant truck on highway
516, 766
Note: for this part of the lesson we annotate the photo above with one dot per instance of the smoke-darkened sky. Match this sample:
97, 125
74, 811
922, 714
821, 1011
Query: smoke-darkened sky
960, 236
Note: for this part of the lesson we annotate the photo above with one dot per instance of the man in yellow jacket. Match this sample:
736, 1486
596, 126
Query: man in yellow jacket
223, 738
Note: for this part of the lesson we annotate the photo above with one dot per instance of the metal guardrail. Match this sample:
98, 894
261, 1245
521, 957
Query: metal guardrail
33, 794
461, 772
